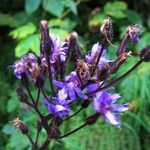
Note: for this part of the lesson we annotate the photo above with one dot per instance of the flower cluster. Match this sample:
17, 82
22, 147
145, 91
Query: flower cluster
86, 82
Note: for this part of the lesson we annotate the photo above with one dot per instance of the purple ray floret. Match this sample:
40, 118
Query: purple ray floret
134, 32
96, 49
58, 108
69, 88
25, 65
59, 50
104, 103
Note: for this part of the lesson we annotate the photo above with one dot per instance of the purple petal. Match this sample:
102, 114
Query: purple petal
59, 108
92, 87
80, 94
61, 111
95, 50
49, 106
62, 95
72, 94
111, 118
115, 97
59, 84
120, 108
96, 105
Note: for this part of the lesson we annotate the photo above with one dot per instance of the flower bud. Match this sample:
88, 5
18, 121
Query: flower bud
44, 29
46, 42
106, 29
145, 53
132, 34
19, 125
21, 95
92, 119
74, 48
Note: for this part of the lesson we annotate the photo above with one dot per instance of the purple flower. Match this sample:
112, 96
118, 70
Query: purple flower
69, 88
59, 53
27, 65
58, 50
92, 87
133, 32
59, 108
104, 103
96, 49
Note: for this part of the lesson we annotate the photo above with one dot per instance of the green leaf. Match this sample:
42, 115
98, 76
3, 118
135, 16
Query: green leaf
12, 105
23, 31
120, 5
31, 42
32, 5
54, 7
97, 19
144, 41
8, 20
13, 102
60, 32
65, 24
72, 5
116, 9
134, 17
18, 141
139, 120
8, 129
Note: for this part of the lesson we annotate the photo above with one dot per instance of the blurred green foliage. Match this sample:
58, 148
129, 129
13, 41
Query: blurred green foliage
19, 34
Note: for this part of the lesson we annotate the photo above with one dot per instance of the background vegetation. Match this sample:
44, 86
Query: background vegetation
19, 34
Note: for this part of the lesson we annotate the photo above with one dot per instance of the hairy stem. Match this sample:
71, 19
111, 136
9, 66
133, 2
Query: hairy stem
73, 131
73, 114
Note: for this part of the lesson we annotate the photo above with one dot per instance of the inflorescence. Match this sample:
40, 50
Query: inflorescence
86, 82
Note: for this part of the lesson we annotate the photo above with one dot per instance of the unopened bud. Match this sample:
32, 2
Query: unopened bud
44, 29
46, 42
92, 119
106, 29
19, 125
73, 36
21, 95
132, 34
74, 48
145, 53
